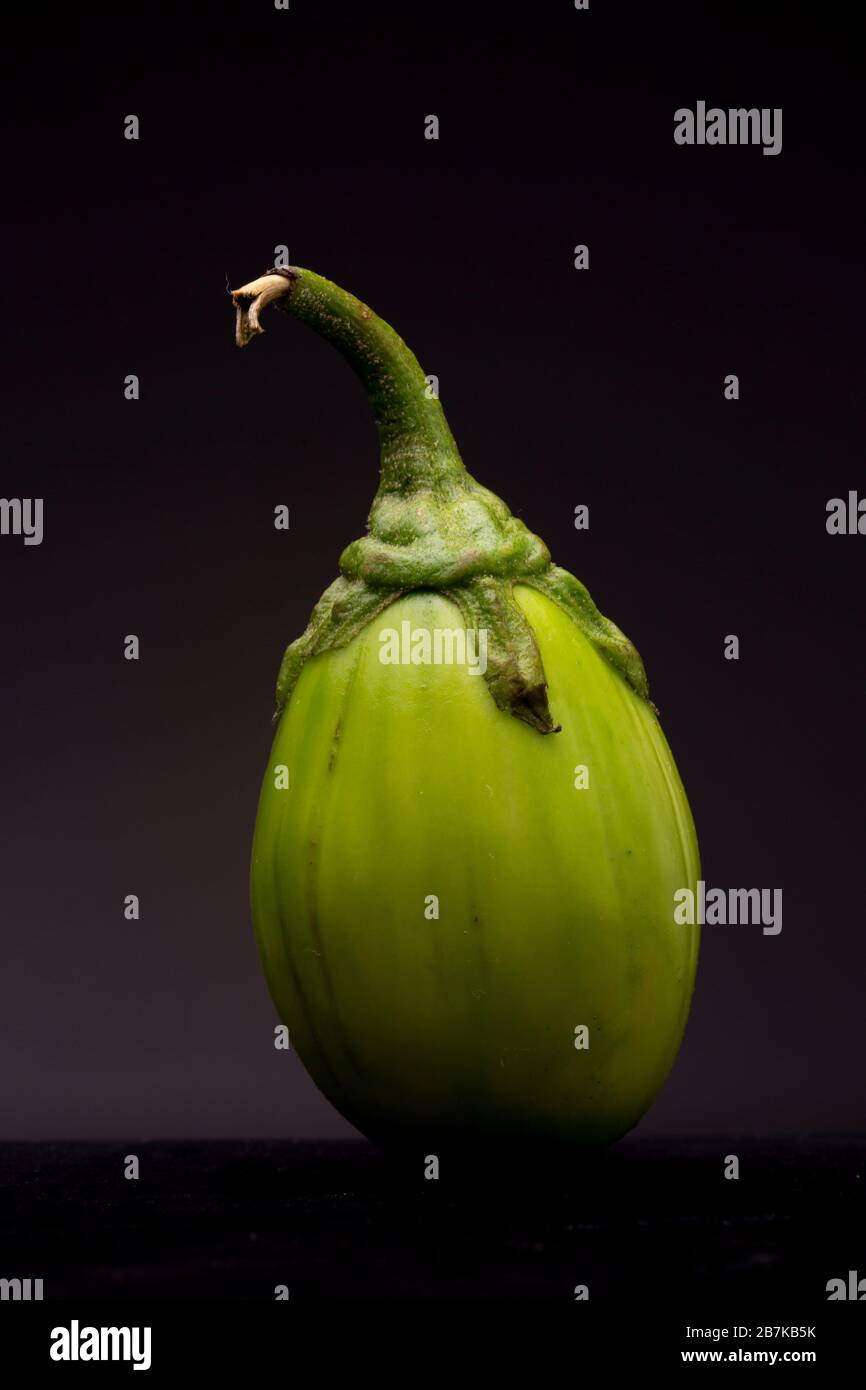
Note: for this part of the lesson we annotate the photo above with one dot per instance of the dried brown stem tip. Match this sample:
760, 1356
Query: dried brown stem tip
249, 301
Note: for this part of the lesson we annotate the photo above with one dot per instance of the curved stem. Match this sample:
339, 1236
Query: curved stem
431, 526
418, 451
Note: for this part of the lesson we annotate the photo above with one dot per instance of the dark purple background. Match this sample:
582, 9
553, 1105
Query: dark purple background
707, 517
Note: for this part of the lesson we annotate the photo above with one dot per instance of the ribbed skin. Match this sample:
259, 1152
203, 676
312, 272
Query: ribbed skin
556, 905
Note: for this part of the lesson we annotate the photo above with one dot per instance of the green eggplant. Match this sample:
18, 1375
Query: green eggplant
471, 827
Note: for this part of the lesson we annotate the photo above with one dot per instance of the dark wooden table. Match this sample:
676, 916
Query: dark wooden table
646, 1220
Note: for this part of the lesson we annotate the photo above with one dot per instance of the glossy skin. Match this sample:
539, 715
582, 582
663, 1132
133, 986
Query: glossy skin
555, 904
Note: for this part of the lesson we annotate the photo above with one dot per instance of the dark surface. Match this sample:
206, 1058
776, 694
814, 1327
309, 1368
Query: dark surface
649, 1220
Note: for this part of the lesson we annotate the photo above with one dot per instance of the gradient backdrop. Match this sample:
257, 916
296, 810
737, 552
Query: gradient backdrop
306, 127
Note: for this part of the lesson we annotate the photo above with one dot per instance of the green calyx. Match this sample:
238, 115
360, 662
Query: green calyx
431, 526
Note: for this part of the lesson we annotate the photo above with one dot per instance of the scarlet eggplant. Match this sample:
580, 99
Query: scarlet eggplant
463, 888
